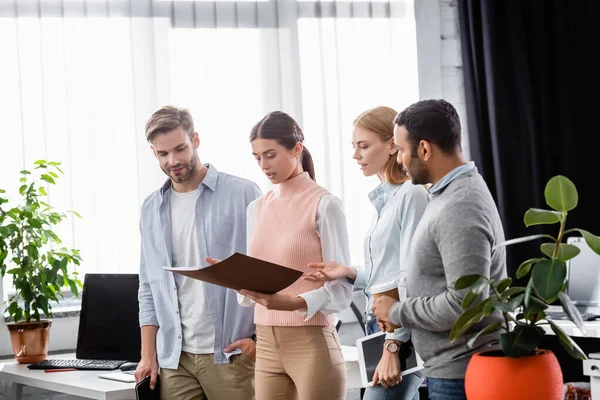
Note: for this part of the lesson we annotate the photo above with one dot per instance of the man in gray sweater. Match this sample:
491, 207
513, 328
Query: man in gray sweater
455, 237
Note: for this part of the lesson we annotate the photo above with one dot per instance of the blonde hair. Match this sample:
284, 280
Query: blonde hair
380, 121
167, 118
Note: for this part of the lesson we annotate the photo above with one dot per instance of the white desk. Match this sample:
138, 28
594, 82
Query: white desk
591, 367
87, 384
77, 383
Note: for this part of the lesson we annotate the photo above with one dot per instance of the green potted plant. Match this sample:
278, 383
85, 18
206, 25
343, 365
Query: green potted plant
31, 254
520, 370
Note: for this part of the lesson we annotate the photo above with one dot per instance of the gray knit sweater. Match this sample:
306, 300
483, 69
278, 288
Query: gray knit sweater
455, 237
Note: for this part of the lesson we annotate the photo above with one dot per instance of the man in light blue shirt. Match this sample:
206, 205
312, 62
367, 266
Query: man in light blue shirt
194, 332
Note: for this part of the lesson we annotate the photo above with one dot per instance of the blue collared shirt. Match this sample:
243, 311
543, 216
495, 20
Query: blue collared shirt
450, 176
399, 209
221, 232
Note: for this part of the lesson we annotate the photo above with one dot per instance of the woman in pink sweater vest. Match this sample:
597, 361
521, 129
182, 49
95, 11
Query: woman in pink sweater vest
298, 351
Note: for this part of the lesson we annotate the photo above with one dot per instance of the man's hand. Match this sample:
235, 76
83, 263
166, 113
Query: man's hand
147, 367
388, 370
329, 271
247, 346
281, 302
381, 309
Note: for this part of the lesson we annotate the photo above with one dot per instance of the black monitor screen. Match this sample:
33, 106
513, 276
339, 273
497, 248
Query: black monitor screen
109, 324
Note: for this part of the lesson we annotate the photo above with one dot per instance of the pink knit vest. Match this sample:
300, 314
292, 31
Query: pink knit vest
285, 233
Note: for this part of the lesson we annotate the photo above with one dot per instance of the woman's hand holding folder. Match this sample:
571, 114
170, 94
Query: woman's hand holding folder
281, 302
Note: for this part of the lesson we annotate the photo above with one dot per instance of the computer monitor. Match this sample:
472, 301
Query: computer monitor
109, 324
583, 273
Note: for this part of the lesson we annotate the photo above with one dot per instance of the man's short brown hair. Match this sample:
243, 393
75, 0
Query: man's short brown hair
168, 118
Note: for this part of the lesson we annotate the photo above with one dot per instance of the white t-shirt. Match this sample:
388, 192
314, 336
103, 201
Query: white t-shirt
196, 323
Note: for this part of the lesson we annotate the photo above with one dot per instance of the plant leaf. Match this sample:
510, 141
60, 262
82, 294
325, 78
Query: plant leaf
488, 329
592, 240
522, 341
548, 277
525, 267
512, 291
468, 300
481, 285
572, 312
466, 281
528, 292
468, 319
565, 252
561, 193
523, 239
503, 285
537, 216
567, 343
40, 162
48, 178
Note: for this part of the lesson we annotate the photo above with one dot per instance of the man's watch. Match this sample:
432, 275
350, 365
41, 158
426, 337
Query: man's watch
392, 346
253, 337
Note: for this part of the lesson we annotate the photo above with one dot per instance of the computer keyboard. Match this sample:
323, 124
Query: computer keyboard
560, 315
100, 365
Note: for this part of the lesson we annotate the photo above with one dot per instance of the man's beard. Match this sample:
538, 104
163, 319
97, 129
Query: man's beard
185, 174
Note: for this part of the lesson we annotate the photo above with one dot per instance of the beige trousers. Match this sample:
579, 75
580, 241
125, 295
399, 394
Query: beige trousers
198, 378
303, 363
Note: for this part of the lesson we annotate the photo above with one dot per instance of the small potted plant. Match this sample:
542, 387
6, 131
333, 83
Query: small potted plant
31, 254
521, 370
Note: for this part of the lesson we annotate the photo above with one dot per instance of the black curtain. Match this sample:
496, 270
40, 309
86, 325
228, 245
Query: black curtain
532, 79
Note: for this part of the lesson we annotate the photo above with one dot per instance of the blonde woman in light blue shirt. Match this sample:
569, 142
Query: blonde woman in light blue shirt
399, 205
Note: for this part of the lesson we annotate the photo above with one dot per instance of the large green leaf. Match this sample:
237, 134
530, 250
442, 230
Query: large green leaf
537, 216
468, 300
548, 277
592, 240
561, 193
525, 267
522, 341
487, 330
512, 291
523, 239
481, 285
572, 312
565, 252
468, 319
567, 343
509, 306
466, 281
503, 285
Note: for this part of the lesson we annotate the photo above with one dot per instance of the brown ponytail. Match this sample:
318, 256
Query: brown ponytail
307, 163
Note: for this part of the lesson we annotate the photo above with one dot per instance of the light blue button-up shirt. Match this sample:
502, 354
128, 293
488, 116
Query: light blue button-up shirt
221, 232
399, 209
450, 176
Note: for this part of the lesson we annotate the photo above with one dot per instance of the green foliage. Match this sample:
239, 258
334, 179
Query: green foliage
30, 251
523, 308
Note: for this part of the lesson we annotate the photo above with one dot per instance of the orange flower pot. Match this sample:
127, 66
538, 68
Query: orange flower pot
492, 376
30, 340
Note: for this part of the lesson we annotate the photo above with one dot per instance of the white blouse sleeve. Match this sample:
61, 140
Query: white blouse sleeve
334, 296
243, 300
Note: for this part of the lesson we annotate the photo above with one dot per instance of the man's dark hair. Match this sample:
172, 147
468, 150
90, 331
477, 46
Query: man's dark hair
435, 121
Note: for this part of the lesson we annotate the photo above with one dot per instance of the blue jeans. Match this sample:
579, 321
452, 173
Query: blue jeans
446, 389
407, 389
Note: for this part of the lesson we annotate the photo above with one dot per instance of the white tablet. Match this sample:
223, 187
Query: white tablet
126, 376
370, 349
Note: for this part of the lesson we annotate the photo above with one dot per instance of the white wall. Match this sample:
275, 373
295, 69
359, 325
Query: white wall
439, 57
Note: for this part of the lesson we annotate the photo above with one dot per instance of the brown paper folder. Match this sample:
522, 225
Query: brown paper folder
243, 272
